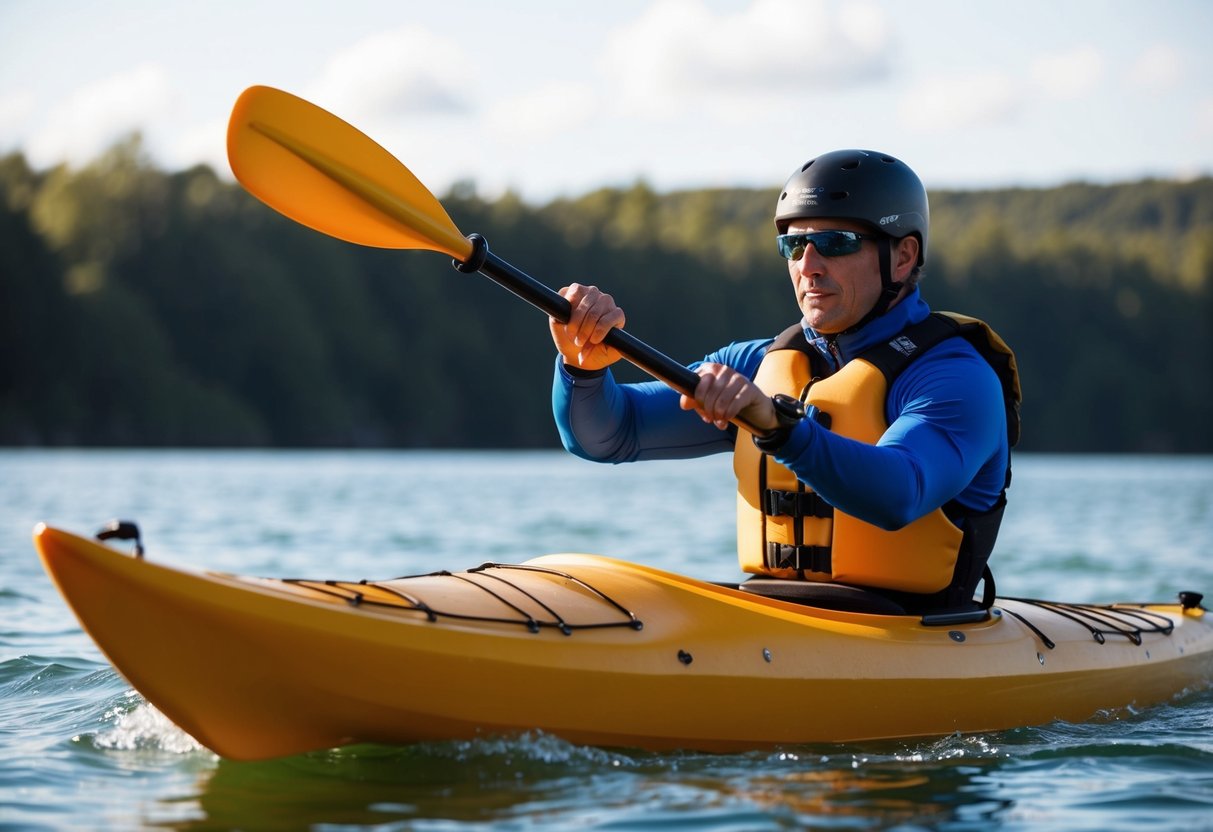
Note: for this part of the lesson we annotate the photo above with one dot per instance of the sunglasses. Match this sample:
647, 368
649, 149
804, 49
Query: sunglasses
827, 243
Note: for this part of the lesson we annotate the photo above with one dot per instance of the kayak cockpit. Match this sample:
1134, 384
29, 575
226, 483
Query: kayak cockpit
853, 599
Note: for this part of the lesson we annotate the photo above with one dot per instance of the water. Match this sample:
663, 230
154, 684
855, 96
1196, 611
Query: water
79, 749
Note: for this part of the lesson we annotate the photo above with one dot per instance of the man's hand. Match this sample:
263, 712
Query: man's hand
594, 314
723, 394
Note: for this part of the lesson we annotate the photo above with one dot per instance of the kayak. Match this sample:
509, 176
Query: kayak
598, 651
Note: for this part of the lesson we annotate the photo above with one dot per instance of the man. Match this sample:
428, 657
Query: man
884, 453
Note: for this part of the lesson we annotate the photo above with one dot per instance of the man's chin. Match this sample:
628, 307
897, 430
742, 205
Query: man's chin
819, 321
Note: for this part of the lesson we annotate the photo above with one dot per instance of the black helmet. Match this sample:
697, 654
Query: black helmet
861, 185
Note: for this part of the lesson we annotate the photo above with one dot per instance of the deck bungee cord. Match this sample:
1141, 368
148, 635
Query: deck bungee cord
354, 592
1111, 615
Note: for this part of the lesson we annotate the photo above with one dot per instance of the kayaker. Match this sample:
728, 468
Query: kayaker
887, 474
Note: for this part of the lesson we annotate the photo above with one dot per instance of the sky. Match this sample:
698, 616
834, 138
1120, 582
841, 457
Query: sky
549, 98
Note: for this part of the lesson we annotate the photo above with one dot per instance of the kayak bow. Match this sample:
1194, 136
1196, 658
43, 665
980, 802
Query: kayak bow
597, 651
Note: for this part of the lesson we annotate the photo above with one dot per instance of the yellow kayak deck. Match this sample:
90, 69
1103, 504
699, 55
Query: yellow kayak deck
597, 651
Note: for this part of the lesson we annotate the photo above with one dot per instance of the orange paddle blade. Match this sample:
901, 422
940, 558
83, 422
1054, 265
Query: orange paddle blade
320, 171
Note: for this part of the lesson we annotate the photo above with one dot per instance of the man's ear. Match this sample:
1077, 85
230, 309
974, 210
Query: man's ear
905, 257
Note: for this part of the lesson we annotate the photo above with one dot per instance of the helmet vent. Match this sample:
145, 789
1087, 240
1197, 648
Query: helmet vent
783, 196
851, 165
807, 165
888, 160
839, 195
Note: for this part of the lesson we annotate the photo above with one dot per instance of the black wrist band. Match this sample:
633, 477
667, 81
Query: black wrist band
773, 441
577, 372
788, 413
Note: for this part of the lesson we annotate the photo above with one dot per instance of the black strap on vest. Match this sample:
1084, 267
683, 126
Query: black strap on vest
798, 504
793, 338
801, 558
892, 357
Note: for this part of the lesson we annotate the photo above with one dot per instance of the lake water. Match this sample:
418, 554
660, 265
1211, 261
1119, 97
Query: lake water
79, 749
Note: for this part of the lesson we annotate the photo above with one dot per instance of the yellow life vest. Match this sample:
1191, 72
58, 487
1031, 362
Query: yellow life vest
784, 530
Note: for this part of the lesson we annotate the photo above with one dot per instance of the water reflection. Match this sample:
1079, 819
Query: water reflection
543, 779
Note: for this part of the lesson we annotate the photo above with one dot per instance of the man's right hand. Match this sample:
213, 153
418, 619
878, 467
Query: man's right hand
594, 314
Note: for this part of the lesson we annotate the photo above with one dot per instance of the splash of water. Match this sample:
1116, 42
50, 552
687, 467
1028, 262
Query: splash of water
142, 727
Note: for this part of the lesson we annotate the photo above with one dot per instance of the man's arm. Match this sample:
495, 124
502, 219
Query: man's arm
604, 421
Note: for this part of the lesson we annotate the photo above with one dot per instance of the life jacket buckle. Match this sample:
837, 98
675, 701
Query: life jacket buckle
807, 558
797, 504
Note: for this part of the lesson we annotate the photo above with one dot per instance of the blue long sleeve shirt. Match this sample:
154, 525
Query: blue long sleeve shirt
947, 435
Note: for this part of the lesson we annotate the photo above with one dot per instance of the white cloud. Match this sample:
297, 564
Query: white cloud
92, 118
680, 56
960, 101
15, 110
1069, 75
1204, 119
1158, 67
399, 73
201, 144
557, 107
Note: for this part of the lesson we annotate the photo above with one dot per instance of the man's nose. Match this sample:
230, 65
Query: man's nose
810, 262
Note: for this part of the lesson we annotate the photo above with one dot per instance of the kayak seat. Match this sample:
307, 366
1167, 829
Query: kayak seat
827, 596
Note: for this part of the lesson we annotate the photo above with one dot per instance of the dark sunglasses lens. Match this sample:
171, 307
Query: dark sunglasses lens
791, 246
836, 243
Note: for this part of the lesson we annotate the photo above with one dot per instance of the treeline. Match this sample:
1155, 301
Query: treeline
145, 308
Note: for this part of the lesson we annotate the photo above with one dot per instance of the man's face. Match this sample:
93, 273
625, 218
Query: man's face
834, 293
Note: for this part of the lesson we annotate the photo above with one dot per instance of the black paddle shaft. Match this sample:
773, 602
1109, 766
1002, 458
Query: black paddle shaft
654, 362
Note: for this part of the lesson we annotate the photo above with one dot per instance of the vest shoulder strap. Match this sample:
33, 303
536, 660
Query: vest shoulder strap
894, 356
793, 338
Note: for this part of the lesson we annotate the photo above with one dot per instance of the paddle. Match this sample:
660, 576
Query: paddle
322, 172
